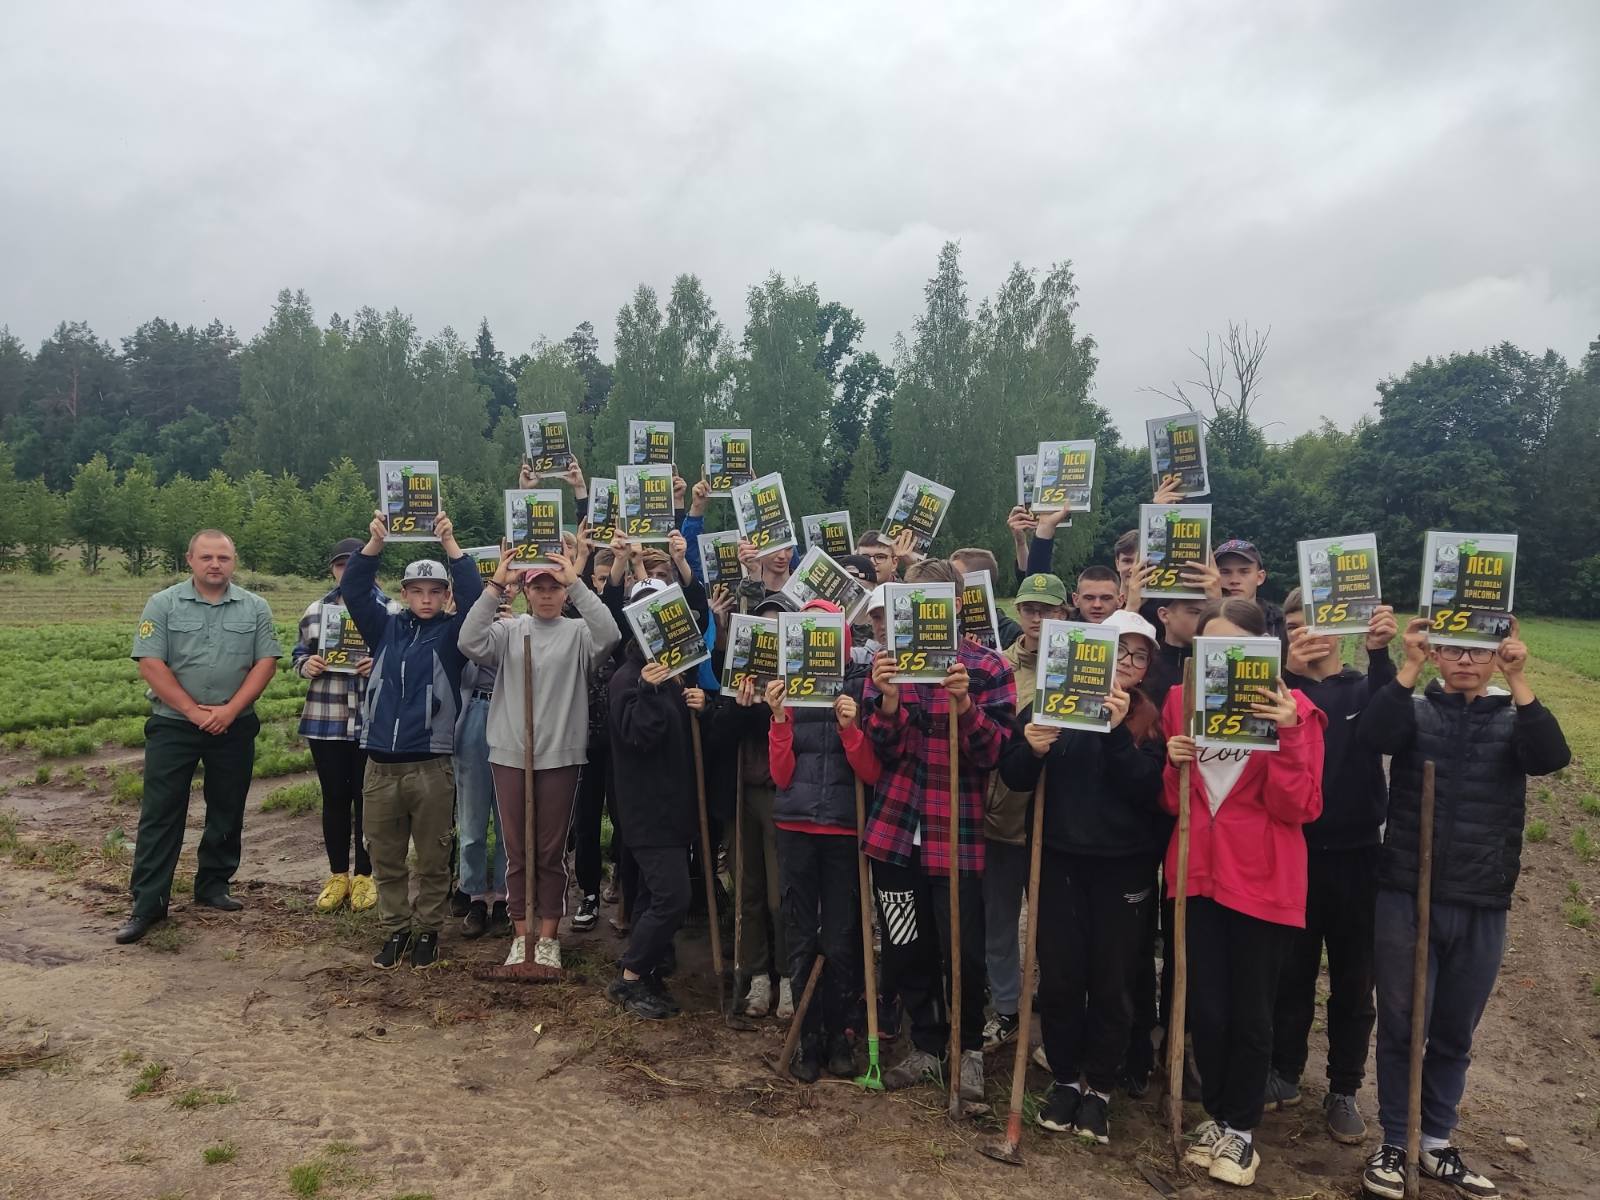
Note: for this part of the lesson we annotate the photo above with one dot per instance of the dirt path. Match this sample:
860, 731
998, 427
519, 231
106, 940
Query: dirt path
380, 1085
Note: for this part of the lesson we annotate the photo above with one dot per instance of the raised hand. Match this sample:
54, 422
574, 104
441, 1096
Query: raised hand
1117, 704
1278, 706
883, 672
1040, 737
845, 710
1381, 629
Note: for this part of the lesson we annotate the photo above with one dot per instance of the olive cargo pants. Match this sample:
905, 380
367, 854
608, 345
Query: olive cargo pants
405, 803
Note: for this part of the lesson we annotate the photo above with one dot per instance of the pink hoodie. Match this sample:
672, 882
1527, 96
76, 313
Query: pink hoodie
1251, 856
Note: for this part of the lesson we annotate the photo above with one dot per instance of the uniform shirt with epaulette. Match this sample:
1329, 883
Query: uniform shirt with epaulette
210, 647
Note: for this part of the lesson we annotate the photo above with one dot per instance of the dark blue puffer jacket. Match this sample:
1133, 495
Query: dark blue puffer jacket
414, 691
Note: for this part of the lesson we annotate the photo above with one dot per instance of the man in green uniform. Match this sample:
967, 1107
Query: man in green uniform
206, 649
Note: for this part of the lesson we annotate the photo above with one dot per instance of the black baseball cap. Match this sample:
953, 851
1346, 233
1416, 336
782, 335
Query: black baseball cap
345, 549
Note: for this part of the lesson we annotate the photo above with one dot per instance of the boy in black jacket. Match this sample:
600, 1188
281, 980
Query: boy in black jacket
1485, 746
653, 771
1342, 884
1103, 833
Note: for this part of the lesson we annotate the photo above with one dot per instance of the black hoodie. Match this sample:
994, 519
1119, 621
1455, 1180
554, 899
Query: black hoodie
1355, 792
652, 757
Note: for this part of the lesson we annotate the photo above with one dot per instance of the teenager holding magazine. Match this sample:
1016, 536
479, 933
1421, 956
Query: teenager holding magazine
1247, 893
567, 653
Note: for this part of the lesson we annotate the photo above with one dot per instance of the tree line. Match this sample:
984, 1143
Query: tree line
277, 438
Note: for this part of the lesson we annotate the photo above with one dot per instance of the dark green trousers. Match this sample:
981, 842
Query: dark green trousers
172, 750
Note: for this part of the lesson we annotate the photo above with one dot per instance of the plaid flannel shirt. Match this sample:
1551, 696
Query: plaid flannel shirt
333, 701
914, 747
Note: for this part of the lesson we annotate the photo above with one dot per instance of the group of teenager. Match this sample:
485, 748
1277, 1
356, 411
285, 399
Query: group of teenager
1306, 850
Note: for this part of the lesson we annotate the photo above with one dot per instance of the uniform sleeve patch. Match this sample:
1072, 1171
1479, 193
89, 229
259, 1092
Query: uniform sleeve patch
146, 628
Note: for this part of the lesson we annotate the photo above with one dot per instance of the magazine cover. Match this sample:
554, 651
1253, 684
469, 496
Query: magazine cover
602, 510
487, 559
1231, 673
1077, 668
651, 442
978, 619
533, 527
719, 559
1170, 537
1178, 451
819, 577
752, 652
761, 511
831, 531
1339, 587
546, 443
727, 460
666, 629
644, 494
340, 642
1467, 585
410, 498
813, 657
922, 630
919, 505
1065, 477
1027, 478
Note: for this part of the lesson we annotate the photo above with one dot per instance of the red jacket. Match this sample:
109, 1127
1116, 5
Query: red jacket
1251, 856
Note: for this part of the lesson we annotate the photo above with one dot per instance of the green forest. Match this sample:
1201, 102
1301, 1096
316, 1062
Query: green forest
277, 438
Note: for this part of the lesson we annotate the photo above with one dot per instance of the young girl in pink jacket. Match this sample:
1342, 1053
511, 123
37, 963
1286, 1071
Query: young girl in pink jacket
1247, 891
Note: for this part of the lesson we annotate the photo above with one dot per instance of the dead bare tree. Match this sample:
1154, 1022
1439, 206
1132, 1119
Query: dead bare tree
1230, 373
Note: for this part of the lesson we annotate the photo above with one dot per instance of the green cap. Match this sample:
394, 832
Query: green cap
1042, 589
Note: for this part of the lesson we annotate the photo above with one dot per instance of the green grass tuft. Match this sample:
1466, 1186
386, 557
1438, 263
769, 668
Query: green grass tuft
166, 938
216, 1155
149, 1079
1538, 831
200, 1098
307, 1178
1584, 844
296, 799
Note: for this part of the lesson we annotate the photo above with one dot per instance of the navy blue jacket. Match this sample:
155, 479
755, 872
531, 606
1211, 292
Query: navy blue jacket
414, 692
1355, 792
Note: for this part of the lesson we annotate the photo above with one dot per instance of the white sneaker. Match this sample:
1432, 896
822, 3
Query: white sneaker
1234, 1160
758, 1000
1203, 1144
971, 1087
1039, 1059
785, 1001
1445, 1165
547, 953
519, 951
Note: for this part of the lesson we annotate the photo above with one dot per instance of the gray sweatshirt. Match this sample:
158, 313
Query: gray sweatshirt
566, 653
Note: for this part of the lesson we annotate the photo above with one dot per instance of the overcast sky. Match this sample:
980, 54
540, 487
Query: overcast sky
1376, 181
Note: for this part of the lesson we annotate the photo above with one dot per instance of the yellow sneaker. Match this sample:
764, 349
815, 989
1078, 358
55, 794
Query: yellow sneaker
363, 893
334, 893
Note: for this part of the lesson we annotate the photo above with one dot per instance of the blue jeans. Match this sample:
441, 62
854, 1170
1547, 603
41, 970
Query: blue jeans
1464, 950
475, 808
1005, 882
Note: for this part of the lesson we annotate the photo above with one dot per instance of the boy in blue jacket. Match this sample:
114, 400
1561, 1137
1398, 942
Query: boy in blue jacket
408, 731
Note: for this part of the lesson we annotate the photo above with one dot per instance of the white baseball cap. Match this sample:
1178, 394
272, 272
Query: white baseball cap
426, 569
878, 599
1125, 622
644, 587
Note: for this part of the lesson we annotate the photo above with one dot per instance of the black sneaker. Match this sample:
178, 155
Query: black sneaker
658, 988
1091, 1122
476, 923
1059, 1112
804, 1066
841, 1062
1000, 1031
617, 989
394, 950
1385, 1173
500, 920
1445, 1165
424, 951
459, 902
641, 1001
587, 916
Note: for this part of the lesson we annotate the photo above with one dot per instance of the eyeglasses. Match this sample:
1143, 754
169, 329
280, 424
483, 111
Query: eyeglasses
1476, 654
1139, 658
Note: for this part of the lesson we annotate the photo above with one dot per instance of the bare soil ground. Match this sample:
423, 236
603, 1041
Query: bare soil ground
330, 1078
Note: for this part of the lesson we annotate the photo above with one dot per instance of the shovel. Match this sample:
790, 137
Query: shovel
1419, 983
1180, 946
731, 1015
873, 1079
707, 868
1009, 1148
954, 1072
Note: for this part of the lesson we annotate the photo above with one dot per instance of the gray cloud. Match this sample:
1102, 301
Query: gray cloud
1377, 182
